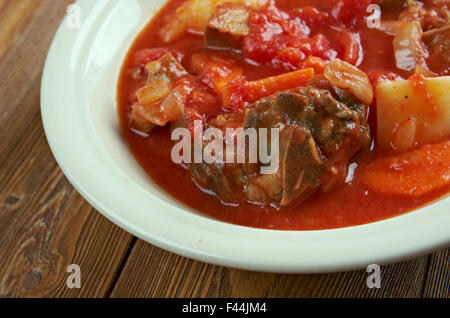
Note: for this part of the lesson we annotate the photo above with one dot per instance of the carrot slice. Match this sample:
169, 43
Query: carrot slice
414, 173
267, 86
316, 63
239, 91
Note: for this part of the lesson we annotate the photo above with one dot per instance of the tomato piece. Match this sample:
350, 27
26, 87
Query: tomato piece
192, 115
201, 98
347, 44
311, 16
271, 32
204, 102
349, 12
377, 76
285, 39
215, 71
234, 94
145, 56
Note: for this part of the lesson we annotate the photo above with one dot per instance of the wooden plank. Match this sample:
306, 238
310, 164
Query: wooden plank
438, 278
26, 30
152, 272
45, 224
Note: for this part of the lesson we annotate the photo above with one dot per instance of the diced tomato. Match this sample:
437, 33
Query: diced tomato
310, 16
348, 12
284, 39
271, 32
202, 99
145, 56
193, 115
234, 94
321, 47
378, 76
289, 58
216, 72
205, 103
347, 44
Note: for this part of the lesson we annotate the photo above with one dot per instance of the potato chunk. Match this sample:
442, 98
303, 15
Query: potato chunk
413, 112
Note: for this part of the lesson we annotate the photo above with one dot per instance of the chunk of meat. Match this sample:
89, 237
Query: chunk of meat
228, 25
437, 16
194, 15
438, 43
318, 135
159, 100
225, 180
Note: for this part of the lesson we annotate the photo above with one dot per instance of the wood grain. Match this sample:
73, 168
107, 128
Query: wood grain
438, 278
152, 272
44, 222
46, 225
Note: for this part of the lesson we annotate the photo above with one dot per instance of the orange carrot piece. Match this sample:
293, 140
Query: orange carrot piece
316, 63
256, 90
414, 173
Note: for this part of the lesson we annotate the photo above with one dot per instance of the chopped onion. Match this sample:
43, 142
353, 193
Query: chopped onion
346, 76
408, 47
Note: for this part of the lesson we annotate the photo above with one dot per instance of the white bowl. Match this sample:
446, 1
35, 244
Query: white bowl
80, 119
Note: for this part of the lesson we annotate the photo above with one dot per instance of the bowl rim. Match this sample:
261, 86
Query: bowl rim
194, 236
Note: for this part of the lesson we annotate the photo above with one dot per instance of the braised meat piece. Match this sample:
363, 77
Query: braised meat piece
227, 181
438, 43
437, 16
159, 100
228, 25
319, 135
320, 128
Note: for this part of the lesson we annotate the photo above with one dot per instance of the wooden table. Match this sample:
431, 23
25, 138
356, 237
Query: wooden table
46, 225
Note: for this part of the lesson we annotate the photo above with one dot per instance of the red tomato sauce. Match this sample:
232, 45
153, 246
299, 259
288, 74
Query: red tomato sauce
349, 204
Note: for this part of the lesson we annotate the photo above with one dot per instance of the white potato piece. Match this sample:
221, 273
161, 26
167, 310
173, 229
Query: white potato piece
413, 112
